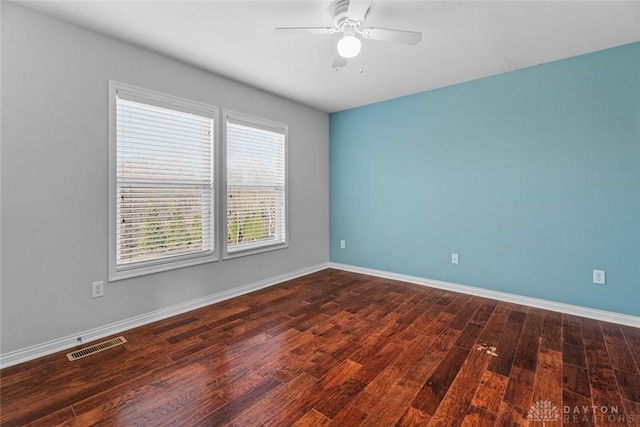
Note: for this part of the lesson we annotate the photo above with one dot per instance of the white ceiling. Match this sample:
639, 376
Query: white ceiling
462, 40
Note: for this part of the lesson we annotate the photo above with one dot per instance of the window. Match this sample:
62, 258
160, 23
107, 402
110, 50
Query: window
256, 192
161, 189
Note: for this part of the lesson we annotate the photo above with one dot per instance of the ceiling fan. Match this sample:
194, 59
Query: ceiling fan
348, 18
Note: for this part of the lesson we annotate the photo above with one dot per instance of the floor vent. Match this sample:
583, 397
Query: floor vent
88, 351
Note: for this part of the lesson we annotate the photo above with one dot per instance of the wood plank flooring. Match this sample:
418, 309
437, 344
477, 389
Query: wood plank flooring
342, 349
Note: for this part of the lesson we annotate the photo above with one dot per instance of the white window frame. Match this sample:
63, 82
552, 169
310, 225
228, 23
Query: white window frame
134, 93
263, 124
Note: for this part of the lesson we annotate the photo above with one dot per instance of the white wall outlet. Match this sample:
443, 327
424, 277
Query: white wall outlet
598, 277
97, 289
454, 258
343, 244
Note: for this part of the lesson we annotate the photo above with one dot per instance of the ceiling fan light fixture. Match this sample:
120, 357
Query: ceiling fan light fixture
349, 18
349, 46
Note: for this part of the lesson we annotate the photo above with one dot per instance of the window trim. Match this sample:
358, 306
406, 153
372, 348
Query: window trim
263, 124
176, 103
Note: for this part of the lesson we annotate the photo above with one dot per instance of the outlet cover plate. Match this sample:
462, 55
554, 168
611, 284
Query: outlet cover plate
599, 277
454, 258
97, 289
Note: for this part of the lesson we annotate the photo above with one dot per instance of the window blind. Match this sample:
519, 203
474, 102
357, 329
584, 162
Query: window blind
256, 205
164, 176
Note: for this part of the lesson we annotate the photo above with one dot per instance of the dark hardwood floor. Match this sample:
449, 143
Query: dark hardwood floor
343, 349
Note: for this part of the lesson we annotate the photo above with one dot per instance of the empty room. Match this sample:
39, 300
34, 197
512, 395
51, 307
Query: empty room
320, 213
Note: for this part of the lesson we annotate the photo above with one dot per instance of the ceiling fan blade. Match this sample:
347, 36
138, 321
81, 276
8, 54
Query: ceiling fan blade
295, 31
395, 36
358, 9
338, 61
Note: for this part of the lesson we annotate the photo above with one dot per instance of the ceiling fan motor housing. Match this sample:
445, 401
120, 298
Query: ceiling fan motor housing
339, 11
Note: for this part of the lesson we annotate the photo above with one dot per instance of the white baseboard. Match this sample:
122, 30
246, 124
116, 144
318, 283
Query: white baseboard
591, 313
64, 343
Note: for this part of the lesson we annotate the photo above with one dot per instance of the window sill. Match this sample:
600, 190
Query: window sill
252, 250
157, 268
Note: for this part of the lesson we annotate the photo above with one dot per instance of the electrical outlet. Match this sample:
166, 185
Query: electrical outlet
97, 289
598, 277
343, 244
454, 258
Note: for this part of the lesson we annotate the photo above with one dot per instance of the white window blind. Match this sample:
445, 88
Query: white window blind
256, 184
164, 182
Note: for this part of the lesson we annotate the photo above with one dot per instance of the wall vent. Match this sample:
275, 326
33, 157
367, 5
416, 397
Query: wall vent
87, 351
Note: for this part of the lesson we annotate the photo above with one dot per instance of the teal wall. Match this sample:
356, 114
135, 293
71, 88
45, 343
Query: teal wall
532, 176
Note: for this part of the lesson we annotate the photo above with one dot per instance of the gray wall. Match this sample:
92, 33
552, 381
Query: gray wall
54, 180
